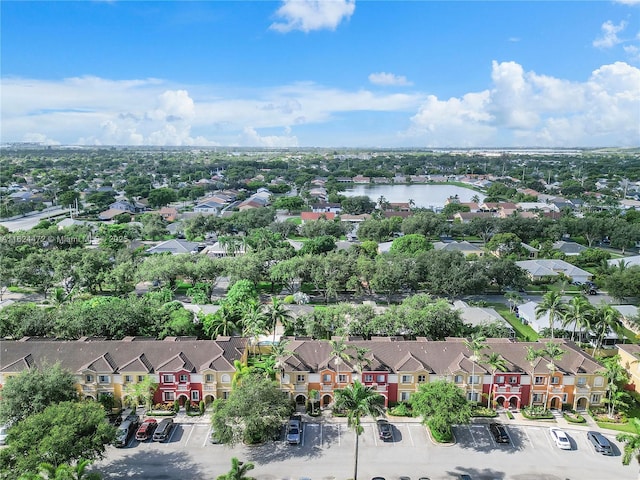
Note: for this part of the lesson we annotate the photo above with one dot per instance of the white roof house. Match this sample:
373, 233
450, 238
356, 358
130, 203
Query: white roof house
464, 247
628, 261
479, 316
175, 247
538, 269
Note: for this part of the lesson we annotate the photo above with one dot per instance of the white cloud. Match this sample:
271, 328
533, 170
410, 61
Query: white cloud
250, 137
386, 79
609, 36
309, 15
628, 2
527, 109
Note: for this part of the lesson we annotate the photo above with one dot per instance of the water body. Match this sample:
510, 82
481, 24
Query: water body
424, 196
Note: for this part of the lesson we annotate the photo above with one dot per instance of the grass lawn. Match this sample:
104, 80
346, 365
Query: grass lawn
618, 427
523, 332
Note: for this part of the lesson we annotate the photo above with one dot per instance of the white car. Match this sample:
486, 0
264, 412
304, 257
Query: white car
3, 434
560, 438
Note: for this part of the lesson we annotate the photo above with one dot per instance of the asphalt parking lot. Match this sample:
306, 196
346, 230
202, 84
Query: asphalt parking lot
326, 453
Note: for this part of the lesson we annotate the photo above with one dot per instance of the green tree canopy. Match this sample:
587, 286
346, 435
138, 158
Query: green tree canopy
33, 390
441, 404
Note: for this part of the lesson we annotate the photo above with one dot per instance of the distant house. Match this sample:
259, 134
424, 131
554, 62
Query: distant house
314, 216
175, 247
110, 214
361, 179
540, 269
129, 207
325, 207
569, 248
209, 206
481, 316
466, 217
627, 261
220, 250
463, 247
168, 214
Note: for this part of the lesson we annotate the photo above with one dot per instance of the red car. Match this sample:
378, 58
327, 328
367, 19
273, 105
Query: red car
146, 429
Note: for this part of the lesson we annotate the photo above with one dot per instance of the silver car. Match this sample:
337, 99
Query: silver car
294, 430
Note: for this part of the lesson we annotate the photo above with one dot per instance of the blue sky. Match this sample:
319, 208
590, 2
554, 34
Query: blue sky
327, 73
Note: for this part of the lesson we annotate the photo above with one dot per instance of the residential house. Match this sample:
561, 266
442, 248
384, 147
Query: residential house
314, 216
168, 214
541, 269
482, 316
209, 206
184, 368
360, 179
630, 361
463, 247
325, 207
466, 217
129, 207
175, 247
569, 248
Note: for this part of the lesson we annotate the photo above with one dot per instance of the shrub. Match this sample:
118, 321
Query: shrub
401, 410
440, 433
202, 406
484, 412
176, 407
187, 407
536, 413
573, 417
509, 415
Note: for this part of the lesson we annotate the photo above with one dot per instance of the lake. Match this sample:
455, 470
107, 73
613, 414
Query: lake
424, 196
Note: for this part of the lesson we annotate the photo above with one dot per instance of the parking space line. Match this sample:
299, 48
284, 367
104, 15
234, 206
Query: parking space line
189, 437
339, 435
475, 444
528, 437
304, 431
410, 436
321, 433
207, 436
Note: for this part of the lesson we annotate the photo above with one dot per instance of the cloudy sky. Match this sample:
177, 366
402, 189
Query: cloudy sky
326, 73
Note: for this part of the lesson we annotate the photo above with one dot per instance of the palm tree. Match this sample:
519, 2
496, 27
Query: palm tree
358, 401
617, 376
238, 471
242, 370
224, 322
475, 345
254, 324
551, 304
496, 362
532, 357
553, 353
141, 391
514, 298
279, 352
277, 313
339, 352
631, 443
578, 312
360, 358
605, 319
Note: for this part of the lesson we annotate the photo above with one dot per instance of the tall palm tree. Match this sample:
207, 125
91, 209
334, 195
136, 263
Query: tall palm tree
279, 353
224, 322
339, 352
238, 471
496, 362
532, 357
552, 352
254, 322
475, 345
277, 313
359, 356
617, 376
358, 401
605, 319
551, 304
578, 312
242, 370
631, 443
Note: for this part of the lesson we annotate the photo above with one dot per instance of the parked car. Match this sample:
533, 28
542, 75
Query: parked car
146, 429
464, 476
163, 430
124, 433
593, 291
294, 430
384, 429
4, 430
560, 438
213, 438
499, 433
600, 443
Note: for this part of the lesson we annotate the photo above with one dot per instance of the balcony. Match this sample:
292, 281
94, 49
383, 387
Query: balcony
379, 388
327, 388
89, 388
182, 387
508, 389
301, 388
583, 388
209, 387
559, 389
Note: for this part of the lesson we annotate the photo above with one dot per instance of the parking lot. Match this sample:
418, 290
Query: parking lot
326, 453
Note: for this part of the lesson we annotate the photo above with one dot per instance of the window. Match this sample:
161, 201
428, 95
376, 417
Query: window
184, 378
582, 381
599, 381
564, 398
404, 396
513, 380
88, 378
208, 378
225, 395
380, 378
226, 378
474, 379
168, 378
326, 378
457, 379
595, 398
300, 378
103, 378
422, 378
539, 381
406, 378
128, 378
168, 396
555, 380
472, 397
140, 378
342, 378
195, 395
500, 379
368, 377
537, 397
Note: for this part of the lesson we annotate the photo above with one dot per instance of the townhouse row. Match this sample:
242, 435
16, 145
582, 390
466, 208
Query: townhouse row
188, 369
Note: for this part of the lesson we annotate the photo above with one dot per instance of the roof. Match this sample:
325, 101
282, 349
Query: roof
134, 354
174, 247
569, 248
311, 216
551, 267
463, 246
